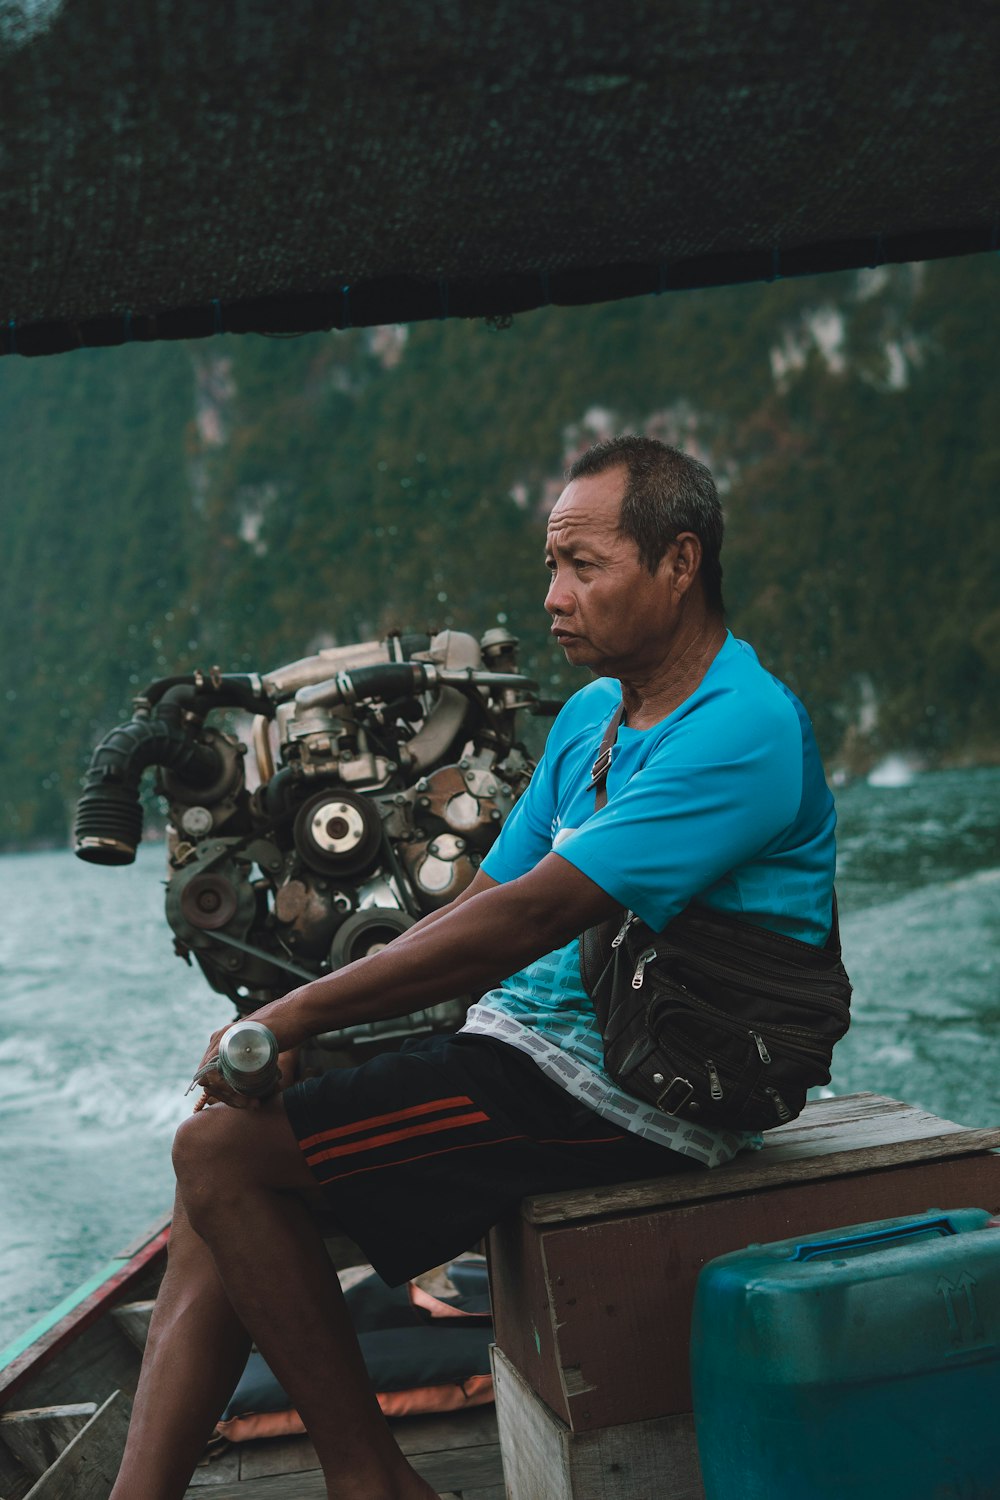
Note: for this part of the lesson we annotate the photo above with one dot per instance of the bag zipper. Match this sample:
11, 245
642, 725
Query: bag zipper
684, 1057
619, 937
765, 1056
782, 989
778, 1036
640, 967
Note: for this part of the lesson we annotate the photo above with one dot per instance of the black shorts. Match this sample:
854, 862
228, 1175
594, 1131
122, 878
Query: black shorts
419, 1152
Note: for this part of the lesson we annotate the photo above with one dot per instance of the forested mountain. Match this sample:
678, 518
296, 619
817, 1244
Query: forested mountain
239, 501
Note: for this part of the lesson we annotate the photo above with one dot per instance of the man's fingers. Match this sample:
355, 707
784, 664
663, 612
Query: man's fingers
212, 1050
221, 1093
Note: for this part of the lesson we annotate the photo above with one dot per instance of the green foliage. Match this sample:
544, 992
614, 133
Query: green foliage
241, 501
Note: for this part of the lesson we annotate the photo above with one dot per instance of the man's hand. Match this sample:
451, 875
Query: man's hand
215, 1089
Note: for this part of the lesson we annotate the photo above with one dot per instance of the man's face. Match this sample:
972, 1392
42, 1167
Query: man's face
609, 613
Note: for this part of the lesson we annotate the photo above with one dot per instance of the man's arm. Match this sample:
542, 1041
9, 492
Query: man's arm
489, 931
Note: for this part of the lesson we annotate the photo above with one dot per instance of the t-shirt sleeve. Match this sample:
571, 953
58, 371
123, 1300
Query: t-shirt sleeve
526, 837
715, 794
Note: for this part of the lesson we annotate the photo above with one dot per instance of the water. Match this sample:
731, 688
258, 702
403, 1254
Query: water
101, 1027
919, 885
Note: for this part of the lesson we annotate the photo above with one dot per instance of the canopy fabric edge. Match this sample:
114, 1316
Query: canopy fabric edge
402, 299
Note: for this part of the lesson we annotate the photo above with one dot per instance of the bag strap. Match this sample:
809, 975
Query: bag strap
602, 765
595, 944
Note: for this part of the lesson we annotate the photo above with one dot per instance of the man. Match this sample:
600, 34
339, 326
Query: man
715, 793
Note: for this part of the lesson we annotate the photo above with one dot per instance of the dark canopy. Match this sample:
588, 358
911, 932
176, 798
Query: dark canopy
170, 168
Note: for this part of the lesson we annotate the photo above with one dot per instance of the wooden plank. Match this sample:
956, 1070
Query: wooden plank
535, 1460
443, 1448
14, 1476
293, 1455
87, 1469
273, 1487
596, 1316
38, 1435
460, 1469
133, 1320
15, 1481
519, 1292
470, 1468
544, 1460
152, 1234
833, 1137
89, 1369
491, 1492
415, 1436
221, 1468
463, 1429
119, 1280
100, 1360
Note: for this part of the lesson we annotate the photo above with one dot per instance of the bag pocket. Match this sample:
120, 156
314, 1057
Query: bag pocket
693, 1059
719, 1022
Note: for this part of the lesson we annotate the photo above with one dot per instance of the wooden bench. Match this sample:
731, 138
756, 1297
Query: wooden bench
593, 1290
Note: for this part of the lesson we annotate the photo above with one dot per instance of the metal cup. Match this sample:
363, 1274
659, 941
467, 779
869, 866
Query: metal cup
248, 1058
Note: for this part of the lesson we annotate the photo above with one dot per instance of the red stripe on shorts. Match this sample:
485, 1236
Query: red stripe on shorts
373, 1121
404, 1161
374, 1142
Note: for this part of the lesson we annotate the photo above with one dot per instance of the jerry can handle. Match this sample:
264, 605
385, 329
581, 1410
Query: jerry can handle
878, 1237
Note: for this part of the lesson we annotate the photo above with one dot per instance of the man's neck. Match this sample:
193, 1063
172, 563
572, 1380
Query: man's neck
652, 696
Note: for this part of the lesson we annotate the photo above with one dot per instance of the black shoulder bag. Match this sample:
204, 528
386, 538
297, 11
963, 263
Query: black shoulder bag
713, 1019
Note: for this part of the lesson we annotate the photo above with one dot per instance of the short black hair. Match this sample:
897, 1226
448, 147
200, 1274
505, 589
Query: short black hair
666, 492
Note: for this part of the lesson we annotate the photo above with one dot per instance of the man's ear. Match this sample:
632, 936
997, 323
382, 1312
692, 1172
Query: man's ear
685, 561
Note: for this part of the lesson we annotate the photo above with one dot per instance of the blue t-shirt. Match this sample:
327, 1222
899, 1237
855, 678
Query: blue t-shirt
724, 802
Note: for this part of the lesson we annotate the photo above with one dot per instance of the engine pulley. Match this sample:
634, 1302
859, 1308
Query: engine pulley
338, 833
367, 932
209, 901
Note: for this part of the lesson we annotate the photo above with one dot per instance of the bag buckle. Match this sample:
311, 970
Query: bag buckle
600, 768
676, 1094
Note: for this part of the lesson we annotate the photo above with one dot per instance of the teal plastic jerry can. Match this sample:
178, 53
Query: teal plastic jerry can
863, 1364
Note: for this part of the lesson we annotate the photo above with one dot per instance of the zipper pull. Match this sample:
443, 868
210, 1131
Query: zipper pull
714, 1081
616, 942
780, 1107
640, 967
765, 1056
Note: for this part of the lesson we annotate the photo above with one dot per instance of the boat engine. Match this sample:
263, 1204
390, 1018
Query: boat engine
334, 802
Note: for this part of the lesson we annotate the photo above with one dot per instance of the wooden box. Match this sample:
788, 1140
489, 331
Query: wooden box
544, 1460
592, 1291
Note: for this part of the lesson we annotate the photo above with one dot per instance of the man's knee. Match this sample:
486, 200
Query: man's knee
221, 1153
209, 1158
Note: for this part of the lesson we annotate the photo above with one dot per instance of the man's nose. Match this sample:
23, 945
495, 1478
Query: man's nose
558, 600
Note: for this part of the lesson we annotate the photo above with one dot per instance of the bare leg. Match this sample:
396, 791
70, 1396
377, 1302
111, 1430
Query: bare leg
195, 1354
239, 1175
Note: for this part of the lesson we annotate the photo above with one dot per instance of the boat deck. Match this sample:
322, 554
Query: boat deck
459, 1455
65, 1402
